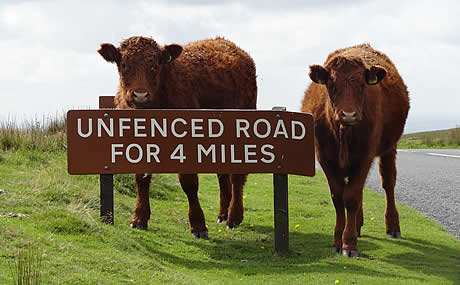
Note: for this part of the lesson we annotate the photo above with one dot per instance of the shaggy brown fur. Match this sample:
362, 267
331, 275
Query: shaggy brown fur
207, 74
360, 105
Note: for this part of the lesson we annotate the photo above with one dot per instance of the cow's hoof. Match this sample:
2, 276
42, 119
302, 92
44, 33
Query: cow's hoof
336, 249
203, 235
232, 227
221, 220
138, 226
396, 235
234, 222
350, 253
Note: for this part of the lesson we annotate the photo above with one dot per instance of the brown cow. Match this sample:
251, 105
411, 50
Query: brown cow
207, 74
360, 105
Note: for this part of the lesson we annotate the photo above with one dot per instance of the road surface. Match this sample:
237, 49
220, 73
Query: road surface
429, 182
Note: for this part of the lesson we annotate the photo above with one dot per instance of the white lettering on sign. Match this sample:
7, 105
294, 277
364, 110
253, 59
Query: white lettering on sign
210, 128
114, 152
267, 153
267, 126
240, 128
137, 127
90, 128
302, 133
236, 153
178, 153
206, 152
154, 153
173, 128
122, 126
101, 125
232, 155
280, 129
248, 153
134, 153
163, 130
196, 127
139, 154
263, 129
222, 153
152, 150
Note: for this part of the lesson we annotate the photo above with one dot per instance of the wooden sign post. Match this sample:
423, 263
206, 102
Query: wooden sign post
106, 180
281, 206
108, 141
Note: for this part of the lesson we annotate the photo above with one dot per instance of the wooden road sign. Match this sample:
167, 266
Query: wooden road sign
189, 141
109, 141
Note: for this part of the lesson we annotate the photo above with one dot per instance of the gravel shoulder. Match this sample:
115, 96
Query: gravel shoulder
428, 181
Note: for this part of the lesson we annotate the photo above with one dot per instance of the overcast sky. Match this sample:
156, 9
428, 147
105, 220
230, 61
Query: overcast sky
49, 62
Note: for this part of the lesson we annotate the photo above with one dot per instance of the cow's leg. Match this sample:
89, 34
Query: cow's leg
388, 175
189, 183
236, 210
353, 201
141, 214
331, 171
337, 199
359, 220
225, 186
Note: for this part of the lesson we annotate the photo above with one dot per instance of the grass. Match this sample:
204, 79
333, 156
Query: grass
62, 222
78, 249
435, 139
45, 135
26, 269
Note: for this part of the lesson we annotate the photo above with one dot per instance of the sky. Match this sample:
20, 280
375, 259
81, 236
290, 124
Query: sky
50, 62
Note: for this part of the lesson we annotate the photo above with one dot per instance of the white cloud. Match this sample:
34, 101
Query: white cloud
26, 19
49, 47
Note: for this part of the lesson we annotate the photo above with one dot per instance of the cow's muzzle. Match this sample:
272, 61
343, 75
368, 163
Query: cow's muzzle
348, 118
140, 97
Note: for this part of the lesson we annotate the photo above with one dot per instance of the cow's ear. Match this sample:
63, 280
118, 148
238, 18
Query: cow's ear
375, 74
110, 53
171, 52
318, 74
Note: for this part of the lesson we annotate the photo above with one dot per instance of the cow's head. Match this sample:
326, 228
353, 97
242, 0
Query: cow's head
140, 61
347, 82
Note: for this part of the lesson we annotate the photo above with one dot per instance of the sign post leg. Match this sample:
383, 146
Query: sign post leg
106, 180
280, 183
106, 183
280, 195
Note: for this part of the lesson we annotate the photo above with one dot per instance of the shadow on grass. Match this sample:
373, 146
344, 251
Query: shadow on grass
310, 253
427, 257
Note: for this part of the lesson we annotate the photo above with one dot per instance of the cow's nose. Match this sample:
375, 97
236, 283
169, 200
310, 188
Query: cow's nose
348, 117
350, 114
140, 97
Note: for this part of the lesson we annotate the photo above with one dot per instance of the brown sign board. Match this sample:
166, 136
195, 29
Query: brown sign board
106, 102
189, 141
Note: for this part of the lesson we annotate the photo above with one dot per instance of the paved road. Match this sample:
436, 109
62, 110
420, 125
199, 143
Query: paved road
429, 182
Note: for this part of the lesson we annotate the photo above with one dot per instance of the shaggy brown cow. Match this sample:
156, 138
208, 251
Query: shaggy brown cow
207, 74
360, 104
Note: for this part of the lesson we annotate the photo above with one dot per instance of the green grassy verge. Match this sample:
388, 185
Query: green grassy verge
431, 140
77, 248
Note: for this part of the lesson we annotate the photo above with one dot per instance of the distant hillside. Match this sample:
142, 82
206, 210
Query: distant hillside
449, 138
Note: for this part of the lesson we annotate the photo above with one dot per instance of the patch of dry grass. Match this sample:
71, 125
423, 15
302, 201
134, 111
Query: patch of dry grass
47, 134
